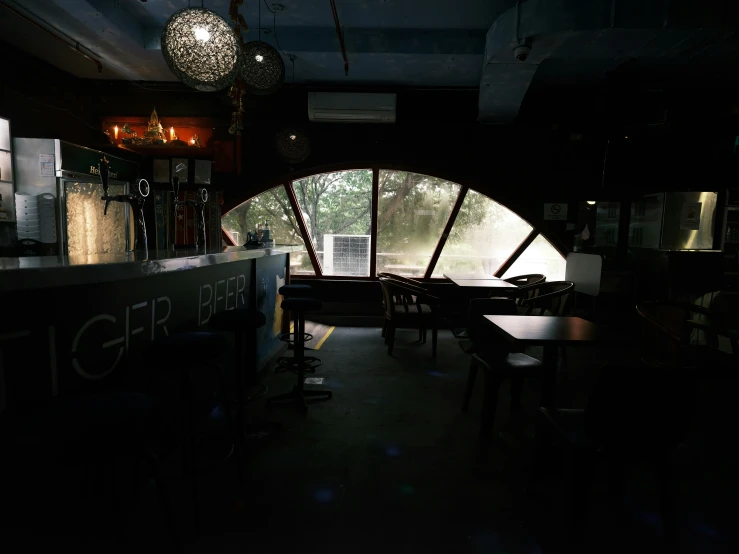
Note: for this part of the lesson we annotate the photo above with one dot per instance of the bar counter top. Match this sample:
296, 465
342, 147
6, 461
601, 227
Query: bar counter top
36, 272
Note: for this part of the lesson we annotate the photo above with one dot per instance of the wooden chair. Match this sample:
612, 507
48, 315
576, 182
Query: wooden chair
402, 299
408, 306
633, 415
497, 362
528, 285
551, 298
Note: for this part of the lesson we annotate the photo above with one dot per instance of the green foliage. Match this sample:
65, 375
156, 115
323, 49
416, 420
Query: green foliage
412, 213
336, 203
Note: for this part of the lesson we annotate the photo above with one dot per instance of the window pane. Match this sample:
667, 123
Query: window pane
484, 235
539, 257
273, 207
337, 208
412, 212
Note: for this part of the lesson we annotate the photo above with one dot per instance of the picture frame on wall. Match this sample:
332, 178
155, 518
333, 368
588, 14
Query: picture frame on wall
202, 172
180, 169
160, 172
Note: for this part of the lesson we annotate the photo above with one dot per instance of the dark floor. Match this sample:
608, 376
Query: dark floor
390, 462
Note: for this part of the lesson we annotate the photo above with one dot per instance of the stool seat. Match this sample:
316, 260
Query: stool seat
237, 320
191, 347
301, 304
295, 290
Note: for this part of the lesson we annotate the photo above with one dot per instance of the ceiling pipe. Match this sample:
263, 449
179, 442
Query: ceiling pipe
76, 46
340, 35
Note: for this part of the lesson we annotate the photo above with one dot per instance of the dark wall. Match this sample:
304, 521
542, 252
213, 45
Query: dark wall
665, 133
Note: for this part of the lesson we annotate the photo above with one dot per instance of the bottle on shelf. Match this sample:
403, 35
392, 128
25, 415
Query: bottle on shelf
266, 232
259, 232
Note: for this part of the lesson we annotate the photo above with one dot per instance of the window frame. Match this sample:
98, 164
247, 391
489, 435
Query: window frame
375, 168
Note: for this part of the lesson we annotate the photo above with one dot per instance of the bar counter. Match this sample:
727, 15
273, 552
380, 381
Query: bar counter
71, 322
58, 271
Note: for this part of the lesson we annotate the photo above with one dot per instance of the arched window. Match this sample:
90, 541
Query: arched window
273, 207
425, 226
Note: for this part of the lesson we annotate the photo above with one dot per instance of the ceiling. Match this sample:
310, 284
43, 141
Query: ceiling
411, 43
420, 43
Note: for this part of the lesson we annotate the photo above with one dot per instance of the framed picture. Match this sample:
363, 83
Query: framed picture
161, 171
202, 172
180, 169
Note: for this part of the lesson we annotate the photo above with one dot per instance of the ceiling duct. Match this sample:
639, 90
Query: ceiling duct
571, 40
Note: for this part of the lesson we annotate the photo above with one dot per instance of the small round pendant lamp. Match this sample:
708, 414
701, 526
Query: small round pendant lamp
293, 145
201, 49
262, 68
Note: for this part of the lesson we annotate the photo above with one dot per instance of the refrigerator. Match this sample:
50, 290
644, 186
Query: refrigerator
674, 221
70, 173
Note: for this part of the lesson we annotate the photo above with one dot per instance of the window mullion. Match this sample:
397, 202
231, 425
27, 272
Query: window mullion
445, 235
307, 240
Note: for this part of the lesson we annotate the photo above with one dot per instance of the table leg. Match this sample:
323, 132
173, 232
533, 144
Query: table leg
551, 354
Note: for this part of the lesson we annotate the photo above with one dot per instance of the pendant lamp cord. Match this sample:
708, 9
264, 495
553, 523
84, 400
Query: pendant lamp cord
259, 25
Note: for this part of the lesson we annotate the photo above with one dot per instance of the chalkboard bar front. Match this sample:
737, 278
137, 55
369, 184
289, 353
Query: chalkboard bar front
69, 323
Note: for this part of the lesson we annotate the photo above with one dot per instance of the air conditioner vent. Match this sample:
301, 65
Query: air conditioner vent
350, 107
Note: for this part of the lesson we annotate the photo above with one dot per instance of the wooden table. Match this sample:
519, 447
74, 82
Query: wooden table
470, 276
551, 332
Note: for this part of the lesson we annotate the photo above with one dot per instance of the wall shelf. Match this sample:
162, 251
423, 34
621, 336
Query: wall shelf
167, 151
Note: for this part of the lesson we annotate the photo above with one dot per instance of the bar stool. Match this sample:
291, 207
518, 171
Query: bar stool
243, 324
288, 362
185, 354
299, 394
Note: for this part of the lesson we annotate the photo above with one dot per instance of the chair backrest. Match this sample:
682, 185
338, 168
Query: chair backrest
389, 299
478, 329
551, 298
644, 407
402, 297
408, 280
527, 285
526, 280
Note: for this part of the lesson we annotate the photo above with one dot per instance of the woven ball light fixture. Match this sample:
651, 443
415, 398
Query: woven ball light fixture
201, 49
293, 145
262, 68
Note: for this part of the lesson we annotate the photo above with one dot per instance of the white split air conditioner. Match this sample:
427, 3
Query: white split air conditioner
351, 107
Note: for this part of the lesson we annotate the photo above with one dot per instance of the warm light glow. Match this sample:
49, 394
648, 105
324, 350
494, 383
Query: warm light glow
165, 141
293, 137
201, 34
591, 202
171, 133
192, 141
115, 131
259, 58
626, 136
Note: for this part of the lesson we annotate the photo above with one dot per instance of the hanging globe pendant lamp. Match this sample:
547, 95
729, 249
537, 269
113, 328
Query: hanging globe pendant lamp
201, 49
262, 68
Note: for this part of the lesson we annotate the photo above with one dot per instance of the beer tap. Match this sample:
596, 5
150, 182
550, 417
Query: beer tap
199, 206
136, 201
